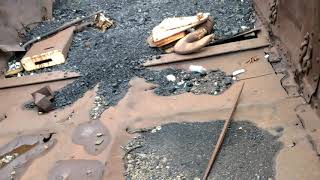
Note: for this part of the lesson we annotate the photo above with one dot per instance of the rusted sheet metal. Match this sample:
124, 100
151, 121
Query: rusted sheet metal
211, 51
49, 52
36, 79
297, 26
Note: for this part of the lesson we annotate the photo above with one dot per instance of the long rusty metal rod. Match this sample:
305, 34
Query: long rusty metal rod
221, 137
54, 31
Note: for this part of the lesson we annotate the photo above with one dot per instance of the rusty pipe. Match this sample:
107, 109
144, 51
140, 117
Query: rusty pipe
196, 40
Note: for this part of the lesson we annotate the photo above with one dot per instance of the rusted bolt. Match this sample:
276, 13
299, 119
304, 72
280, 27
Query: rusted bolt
315, 78
318, 60
316, 105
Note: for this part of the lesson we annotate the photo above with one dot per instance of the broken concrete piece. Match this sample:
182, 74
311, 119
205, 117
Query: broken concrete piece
49, 52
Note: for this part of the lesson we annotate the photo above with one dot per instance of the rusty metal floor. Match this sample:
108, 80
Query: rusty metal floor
264, 102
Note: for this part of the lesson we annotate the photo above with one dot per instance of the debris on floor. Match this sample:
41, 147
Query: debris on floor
14, 68
102, 22
237, 72
186, 34
252, 60
172, 29
113, 71
211, 82
43, 99
195, 40
182, 150
77, 169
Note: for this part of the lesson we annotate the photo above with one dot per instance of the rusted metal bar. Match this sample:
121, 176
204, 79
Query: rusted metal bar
222, 135
36, 79
210, 51
63, 27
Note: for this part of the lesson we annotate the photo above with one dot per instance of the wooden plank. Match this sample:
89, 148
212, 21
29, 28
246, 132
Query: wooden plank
36, 79
211, 51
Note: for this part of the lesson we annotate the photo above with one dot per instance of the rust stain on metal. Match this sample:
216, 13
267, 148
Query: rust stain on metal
49, 52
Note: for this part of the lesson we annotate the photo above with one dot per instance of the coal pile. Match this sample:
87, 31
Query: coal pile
113, 58
212, 82
182, 151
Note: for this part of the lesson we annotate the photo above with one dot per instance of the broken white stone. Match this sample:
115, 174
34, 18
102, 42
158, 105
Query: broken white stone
180, 83
237, 72
171, 78
158, 128
244, 27
240, 128
195, 68
99, 141
99, 134
266, 56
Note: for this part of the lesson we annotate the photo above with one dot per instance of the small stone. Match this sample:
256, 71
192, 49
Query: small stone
158, 128
13, 173
171, 78
99, 134
99, 141
196, 178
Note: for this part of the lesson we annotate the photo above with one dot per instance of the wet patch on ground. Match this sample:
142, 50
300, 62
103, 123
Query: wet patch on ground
113, 58
77, 169
182, 151
18, 154
93, 136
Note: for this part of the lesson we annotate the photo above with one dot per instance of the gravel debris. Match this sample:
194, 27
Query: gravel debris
113, 58
182, 151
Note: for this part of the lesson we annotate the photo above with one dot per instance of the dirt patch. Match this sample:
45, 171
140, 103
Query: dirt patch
18, 154
111, 59
77, 169
182, 151
93, 135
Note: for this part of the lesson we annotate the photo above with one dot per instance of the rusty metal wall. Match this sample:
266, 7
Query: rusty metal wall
296, 25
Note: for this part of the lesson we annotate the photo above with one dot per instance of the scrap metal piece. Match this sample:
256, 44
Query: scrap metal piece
42, 98
49, 52
196, 40
102, 22
222, 135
